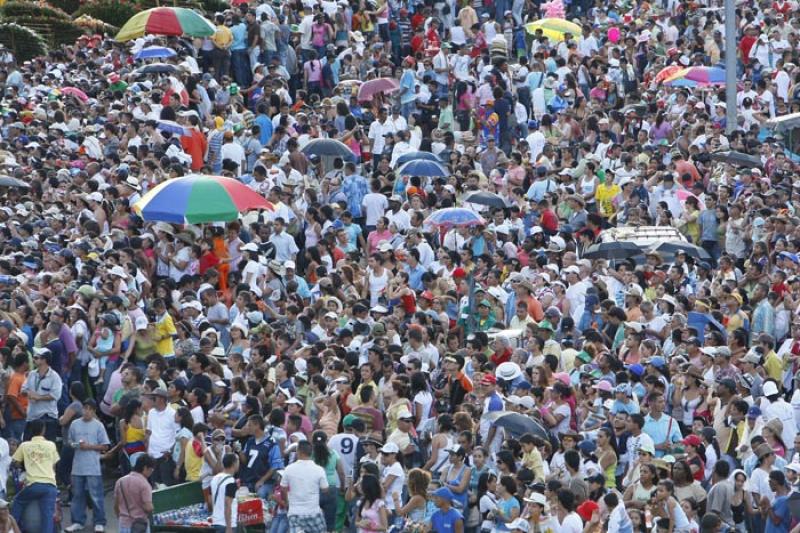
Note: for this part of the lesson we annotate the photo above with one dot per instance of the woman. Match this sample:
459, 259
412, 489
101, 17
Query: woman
422, 399
418, 508
487, 499
132, 433
456, 475
771, 432
688, 394
639, 494
695, 457
7, 522
608, 456
508, 508
183, 417
741, 503
239, 342
378, 277
372, 516
441, 441
685, 486
666, 506
479, 468
329, 460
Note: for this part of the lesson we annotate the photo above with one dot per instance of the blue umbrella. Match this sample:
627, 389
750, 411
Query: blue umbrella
411, 156
328, 148
172, 127
423, 167
454, 217
155, 52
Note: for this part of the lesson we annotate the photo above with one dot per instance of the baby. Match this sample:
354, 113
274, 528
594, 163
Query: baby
104, 346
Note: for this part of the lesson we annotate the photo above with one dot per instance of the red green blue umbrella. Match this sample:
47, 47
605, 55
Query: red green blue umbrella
166, 21
198, 198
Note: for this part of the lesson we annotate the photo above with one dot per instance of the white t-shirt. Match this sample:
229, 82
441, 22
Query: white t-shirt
572, 524
759, 484
219, 485
162, 428
304, 478
562, 426
375, 205
198, 415
396, 486
425, 399
345, 445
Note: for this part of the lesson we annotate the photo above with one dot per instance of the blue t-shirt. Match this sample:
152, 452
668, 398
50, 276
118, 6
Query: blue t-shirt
506, 506
780, 506
445, 522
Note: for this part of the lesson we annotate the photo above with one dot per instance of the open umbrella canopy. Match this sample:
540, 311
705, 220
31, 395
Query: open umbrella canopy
697, 77
425, 168
155, 52
612, 250
451, 217
517, 424
329, 148
740, 159
197, 199
8, 181
411, 156
370, 88
666, 72
674, 247
77, 93
485, 198
156, 68
166, 21
554, 28
173, 127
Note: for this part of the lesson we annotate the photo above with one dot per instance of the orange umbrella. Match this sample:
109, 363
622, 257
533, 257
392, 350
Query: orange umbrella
666, 72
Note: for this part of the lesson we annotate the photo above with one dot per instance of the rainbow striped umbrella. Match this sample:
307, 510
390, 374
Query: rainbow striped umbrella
554, 28
697, 77
166, 21
198, 198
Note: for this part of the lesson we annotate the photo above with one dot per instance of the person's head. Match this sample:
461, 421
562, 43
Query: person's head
145, 465
304, 449
230, 463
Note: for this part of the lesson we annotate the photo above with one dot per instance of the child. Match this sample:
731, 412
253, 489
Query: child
531, 457
195, 450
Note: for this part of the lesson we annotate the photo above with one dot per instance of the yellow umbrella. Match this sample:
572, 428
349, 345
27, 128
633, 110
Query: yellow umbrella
554, 28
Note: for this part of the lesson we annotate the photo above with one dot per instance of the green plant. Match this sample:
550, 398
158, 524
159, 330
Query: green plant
214, 6
16, 9
62, 31
68, 6
109, 11
25, 42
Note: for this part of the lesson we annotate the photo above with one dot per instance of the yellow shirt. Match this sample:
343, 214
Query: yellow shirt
165, 327
192, 462
222, 38
773, 366
533, 461
39, 457
605, 195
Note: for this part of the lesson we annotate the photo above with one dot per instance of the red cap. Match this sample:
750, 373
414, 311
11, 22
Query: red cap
426, 295
692, 440
488, 379
587, 509
459, 273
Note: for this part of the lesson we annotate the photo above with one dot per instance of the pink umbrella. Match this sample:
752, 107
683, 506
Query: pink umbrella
370, 88
683, 195
77, 93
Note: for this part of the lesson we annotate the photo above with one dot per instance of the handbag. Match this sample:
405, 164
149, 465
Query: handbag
139, 525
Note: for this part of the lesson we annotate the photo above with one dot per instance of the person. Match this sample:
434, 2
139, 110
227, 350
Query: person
224, 514
446, 518
43, 388
160, 434
38, 457
89, 438
305, 480
371, 516
778, 515
261, 457
133, 495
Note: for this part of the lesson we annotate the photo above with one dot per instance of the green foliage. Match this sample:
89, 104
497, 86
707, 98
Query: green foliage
15, 9
111, 12
25, 43
214, 6
68, 6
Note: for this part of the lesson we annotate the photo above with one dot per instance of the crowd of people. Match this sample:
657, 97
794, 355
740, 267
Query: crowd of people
360, 368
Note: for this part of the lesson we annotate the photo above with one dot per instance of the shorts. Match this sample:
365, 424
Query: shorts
313, 523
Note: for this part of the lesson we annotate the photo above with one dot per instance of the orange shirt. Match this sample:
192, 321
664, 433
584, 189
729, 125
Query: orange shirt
195, 145
535, 309
14, 388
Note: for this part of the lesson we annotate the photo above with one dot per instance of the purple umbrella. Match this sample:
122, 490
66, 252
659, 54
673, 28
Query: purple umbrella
370, 88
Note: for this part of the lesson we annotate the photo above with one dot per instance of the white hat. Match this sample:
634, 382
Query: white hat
249, 247
385, 246
537, 497
514, 399
119, 272
404, 414
379, 309
194, 304
390, 447
572, 269
638, 327
520, 524
133, 183
770, 388
508, 371
289, 264
141, 323
294, 401
95, 197
203, 288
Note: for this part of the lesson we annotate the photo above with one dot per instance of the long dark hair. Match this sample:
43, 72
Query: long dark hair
320, 451
371, 489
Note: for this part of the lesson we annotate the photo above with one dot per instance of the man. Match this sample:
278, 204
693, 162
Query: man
133, 496
304, 479
88, 436
720, 495
779, 408
43, 390
777, 515
160, 435
39, 457
17, 402
223, 496
661, 427
261, 456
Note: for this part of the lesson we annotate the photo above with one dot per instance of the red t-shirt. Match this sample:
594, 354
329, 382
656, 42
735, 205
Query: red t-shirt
195, 145
745, 44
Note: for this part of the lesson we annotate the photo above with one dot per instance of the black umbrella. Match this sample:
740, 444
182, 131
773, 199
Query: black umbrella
612, 250
8, 181
740, 159
328, 147
518, 424
672, 248
486, 198
156, 68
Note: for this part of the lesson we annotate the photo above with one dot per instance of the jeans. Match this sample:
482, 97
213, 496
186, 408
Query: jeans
328, 500
240, 64
279, 524
43, 493
221, 63
93, 485
408, 108
14, 428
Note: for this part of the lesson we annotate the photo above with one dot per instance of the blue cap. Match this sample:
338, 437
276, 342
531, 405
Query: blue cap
636, 369
587, 446
753, 412
444, 493
657, 362
624, 389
